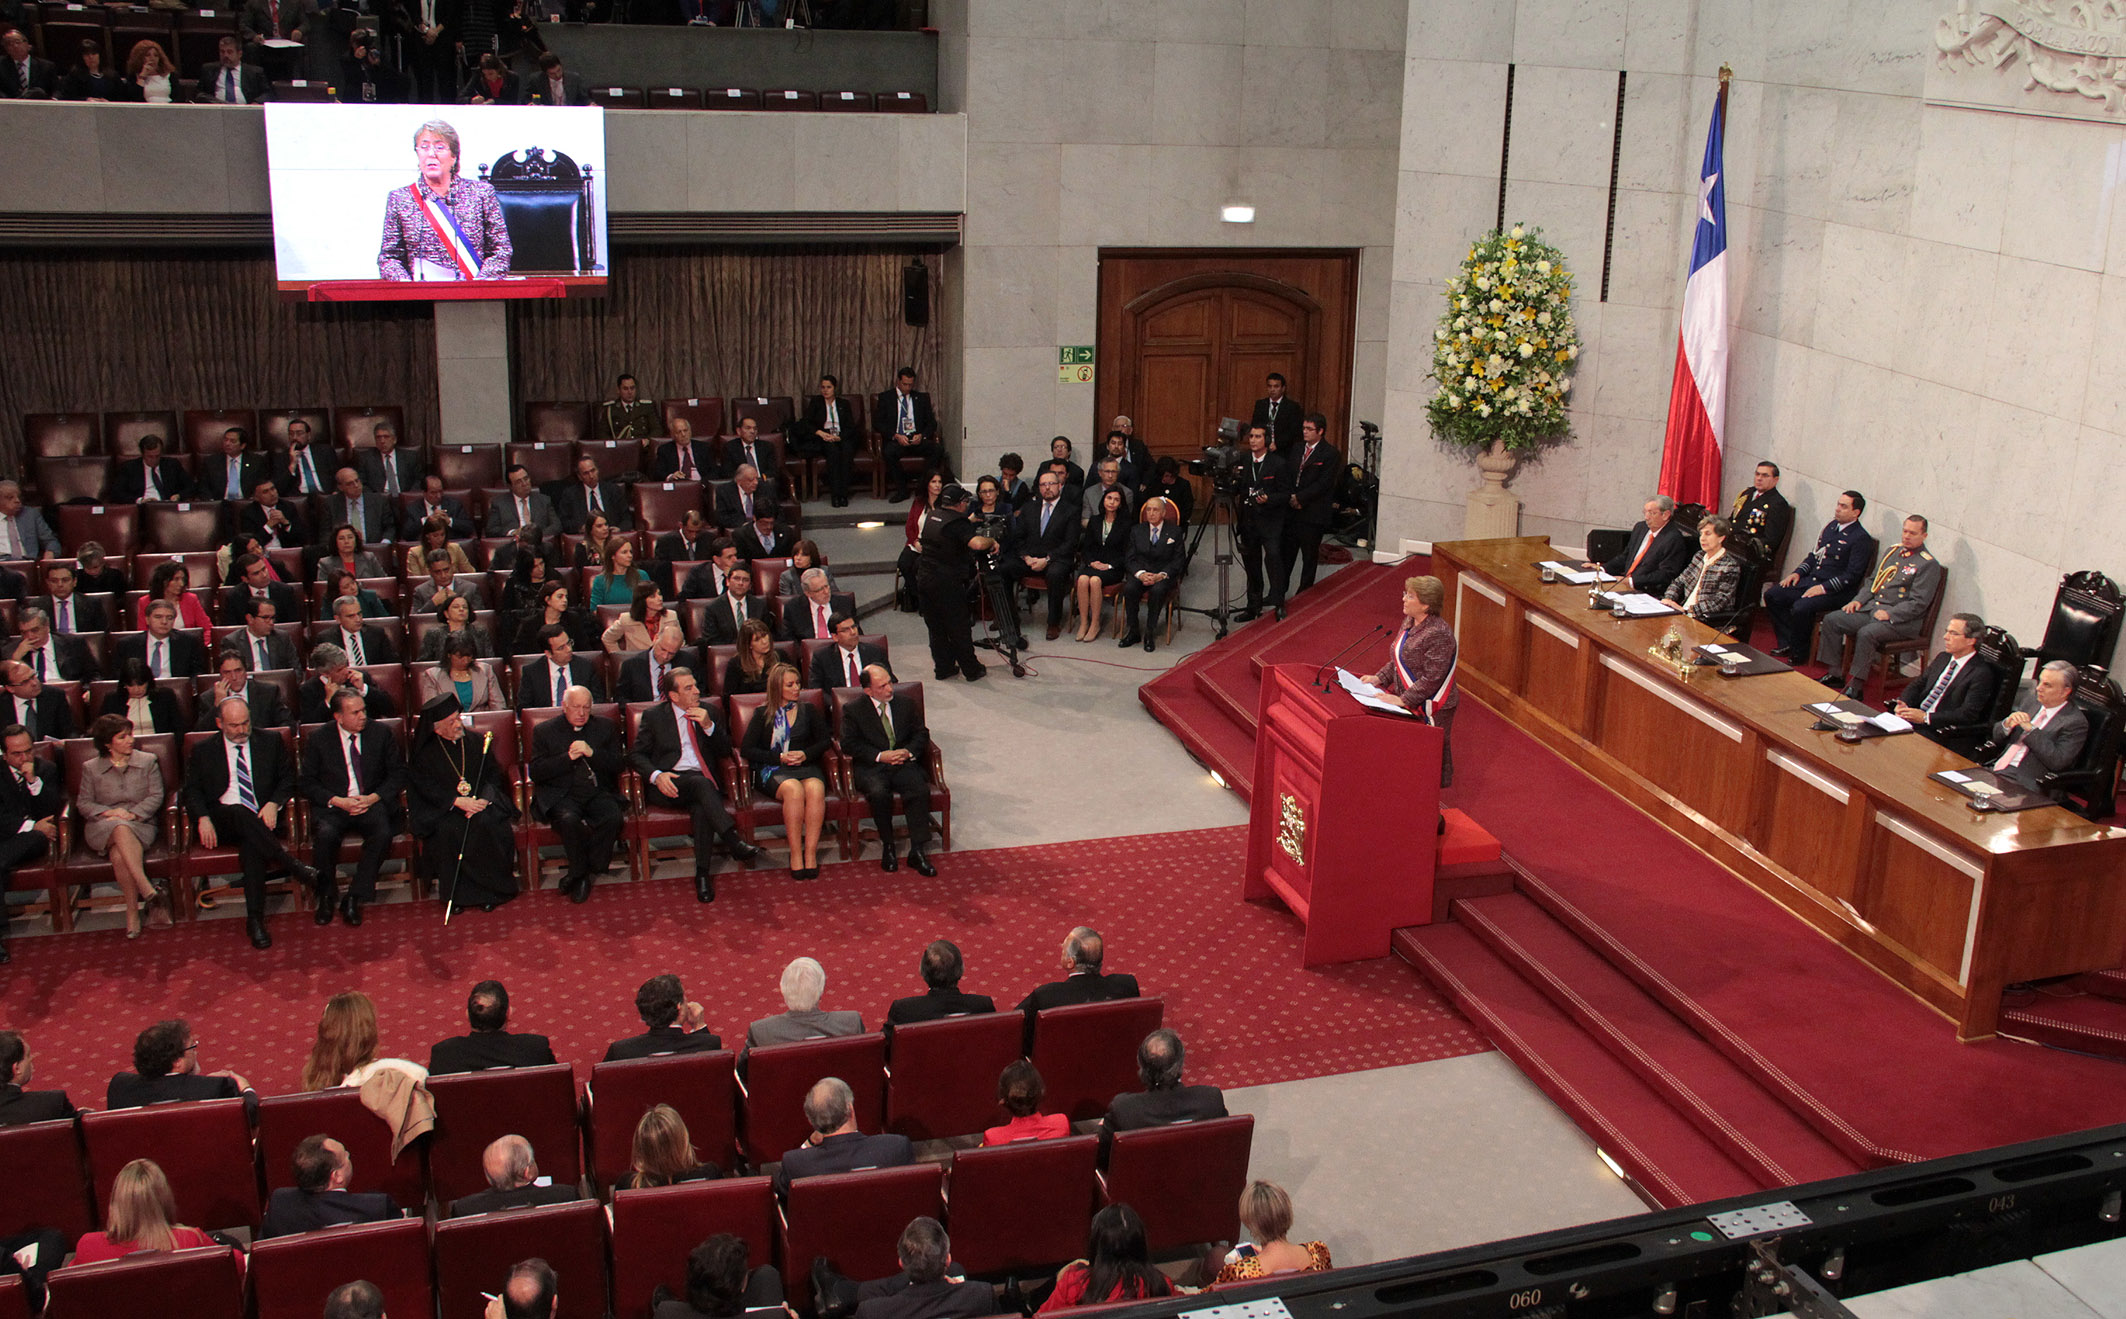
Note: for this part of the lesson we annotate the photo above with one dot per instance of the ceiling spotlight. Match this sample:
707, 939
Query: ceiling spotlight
1237, 215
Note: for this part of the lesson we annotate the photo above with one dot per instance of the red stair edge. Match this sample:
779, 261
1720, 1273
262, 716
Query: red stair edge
2109, 984
2084, 1024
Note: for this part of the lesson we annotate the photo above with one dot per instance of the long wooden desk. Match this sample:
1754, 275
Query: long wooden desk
1852, 838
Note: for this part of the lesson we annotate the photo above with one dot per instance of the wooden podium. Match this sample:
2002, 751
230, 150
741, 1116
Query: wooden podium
1342, 825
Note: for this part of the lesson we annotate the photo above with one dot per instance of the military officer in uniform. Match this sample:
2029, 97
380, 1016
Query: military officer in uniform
1892, 608
944, 575
1825, 580
627, 417
1762, 515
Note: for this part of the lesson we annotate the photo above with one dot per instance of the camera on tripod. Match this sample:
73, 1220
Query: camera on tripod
1222, 462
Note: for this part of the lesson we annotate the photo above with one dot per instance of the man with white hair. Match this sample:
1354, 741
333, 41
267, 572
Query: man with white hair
513, 1181
810, 617
804, 981
23, 533
836, 1145
2042, 735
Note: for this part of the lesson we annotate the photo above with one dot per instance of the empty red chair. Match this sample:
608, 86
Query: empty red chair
123, 432
786, 98
902, 102
59, 434
537, 1103
1024, 1207
467, 465
730, 98
291, 1276
653, 1230
285, 1121
1087, 1053
771, 415
61, 480
775, 1081
178, 528
702, 1086
1184, 1181
942, 1075
116, 527
557, 423
672, 98
845, 102
705, 415
545, 460
617, 98
474, 1255
47, 1184
203, 1147
856, 1220
198, 1284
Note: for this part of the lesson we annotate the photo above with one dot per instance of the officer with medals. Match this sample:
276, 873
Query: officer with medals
1893, 608
1762, 516
944, 579
1829, 577
627, 417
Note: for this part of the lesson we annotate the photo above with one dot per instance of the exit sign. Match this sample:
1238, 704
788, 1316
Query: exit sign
1075, 355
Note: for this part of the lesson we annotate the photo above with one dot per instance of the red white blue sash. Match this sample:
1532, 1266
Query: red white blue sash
448, 232
1402, 672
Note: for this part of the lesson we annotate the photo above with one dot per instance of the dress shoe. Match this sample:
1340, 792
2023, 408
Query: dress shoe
1054, 630
5, 955
1854, 688
891, 861
323, 915
1129, 639
307, 876
809, 872
351, 909
1833, 679
255, 926
920, 864
1147, 643
580, 892
1247, 615
704, 888
975, 674
744, 851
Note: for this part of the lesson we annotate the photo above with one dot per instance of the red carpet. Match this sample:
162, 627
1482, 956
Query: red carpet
1168, 905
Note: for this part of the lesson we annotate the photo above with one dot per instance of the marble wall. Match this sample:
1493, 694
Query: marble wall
1919, 292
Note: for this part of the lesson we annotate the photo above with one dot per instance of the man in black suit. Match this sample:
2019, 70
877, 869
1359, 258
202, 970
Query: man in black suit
1046, 545
829, 430
1279, 416
434, 502
331, 672
928, 1286
166, 1070
642, 673
722, 617
692, 543
20, 1105
57, 657
68, 610
308, 468
1316, 468
835, 1144
167, 652
1083, 982
353, 775
575, 766
1955, 689
674, 1021
1151, 568
843, 663
1265, 489
387, 469
278, 524
906, 427
252, 578
886, 741
745, 449
235, 472
704, 581
489, 1045
233, 681
24, 76
512, 1181
320, 1198
765, 537
1165, 1100
684, 458
942, 967
678, 747
555, 85
523, 507
739, 503
148, 477
547, 679
44, 713
373, 517
587, 494
237, 789
230, 81
1658, 550
261, 646
361, 641
810, 616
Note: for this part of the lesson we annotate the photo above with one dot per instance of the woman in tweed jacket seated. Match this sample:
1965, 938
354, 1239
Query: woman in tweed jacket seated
1711, 588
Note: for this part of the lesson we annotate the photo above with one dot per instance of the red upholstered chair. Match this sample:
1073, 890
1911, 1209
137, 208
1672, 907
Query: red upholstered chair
273, 426
704, 414
66, 434
355, 428
197, 35
474, 1255
1087, 1052
856, 1219
536, 833
702, 1086
758, 810
291, 1276
61, 480
902, 103
672, 98
47, 1182
302, 90
14, 1297
787, 98
198, 1284
616, 98
537, 1103
557, 424
465, 466
772, 415
846, 102
285, 1121
176, 528
116, 527
204, 1148
652, 815
548, 461
730, 98
123, 432
942, 1075
776, 1077
201, 431
933, 766
653, 1230
659, 507
199, 564
1184, 1180
615, 458
196, 861
1026, 1206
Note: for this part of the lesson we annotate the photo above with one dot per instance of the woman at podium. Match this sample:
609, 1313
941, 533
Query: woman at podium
1420, 667
441, 226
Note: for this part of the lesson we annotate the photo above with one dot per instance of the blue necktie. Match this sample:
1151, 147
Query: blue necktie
244, 791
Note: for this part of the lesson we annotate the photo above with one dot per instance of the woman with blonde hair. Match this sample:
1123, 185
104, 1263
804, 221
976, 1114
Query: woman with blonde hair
1266, 1212
142, 1217
664, 1152
784, 745
345, 1051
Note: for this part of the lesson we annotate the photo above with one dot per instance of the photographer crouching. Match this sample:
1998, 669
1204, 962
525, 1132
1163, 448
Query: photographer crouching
944, 580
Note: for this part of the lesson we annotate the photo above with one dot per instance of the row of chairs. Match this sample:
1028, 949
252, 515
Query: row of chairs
746, 98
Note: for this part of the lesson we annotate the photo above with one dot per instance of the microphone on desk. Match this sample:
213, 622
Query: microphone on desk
1321, 674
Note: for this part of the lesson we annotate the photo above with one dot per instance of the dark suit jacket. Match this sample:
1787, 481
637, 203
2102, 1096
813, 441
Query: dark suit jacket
797, 615
634, 684
287, 605
1969, 699
1284, 431
662, 1040
485, 1049
1163, 1108
830, 670
188, 656
324, 772
1314, 483
708, 463
762, 459
380, 518
162, 705
672, 547
885, 414
523, 1197
130, 1091
1111, 549
213, 480
460, 522
576, 507
207, 774
1061, 539
864, 737
75, 662
815, 420
557, 779
502, 515
310, 702
55, 718
44, 77
936, 1005
1167, 556
289, 1210
2054, 747
268, 710
846, 1152
249, 77
323, 459
719, 625
536, 689
510, 93
538, 90
280, 652
943, 1299
89, 614
808, 733
1668, 556
370, 463
1080, 987
19, 1107
656, 748
729, 510
251, 518
377, 646
751, 546
129, 479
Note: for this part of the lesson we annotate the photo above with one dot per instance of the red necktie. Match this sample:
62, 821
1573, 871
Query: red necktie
819, 620
856, 677
1640, 555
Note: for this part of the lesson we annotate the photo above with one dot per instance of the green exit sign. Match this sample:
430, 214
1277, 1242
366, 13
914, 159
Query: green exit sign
1074, 354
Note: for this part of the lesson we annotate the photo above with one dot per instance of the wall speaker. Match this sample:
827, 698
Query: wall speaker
915, 294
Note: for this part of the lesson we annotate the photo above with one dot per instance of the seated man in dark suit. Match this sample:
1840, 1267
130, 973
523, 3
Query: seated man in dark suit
843, 663
2044, 733
888, 748
307, 468
387, 469
513, 1181
724, 618
1165, 1100
29, 703
166, 1068
942, 967
259, 645
489, 1045
1082, 982
56, 656
69, 610
320, 1197
167, 652
233, 681
547, 679
765, 537
1955, 689
434, 503
18, 1103
675, 1024
835, 1144
1655, 553
928, 1286
745, 449
279, 524
587, 494
692, 543
232, 474
684, 458
148, 477
252, 579
738, 503
330, 672
642, 673
810, 615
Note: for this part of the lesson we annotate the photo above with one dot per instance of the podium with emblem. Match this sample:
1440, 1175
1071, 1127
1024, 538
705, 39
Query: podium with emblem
1342, 825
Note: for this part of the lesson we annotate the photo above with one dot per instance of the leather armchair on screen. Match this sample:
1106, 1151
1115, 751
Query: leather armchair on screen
547, 204
2084, 627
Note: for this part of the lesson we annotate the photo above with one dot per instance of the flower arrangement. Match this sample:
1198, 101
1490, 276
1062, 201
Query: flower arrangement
1505, 345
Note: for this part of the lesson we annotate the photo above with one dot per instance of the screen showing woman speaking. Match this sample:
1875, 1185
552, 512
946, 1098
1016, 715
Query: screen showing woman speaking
458, 194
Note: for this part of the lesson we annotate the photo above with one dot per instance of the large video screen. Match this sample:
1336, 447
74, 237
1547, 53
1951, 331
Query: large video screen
482, 198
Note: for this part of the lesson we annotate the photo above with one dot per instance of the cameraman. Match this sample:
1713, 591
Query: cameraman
944, 578
1264, 489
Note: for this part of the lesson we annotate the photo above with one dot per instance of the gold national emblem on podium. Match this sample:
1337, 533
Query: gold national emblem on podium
1292, 829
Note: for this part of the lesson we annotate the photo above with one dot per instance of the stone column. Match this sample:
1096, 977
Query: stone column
472, 372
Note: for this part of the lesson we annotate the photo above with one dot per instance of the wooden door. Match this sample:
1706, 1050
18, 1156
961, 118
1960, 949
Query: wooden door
1186, 338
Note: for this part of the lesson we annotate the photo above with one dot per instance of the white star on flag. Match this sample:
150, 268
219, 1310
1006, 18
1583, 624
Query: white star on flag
1705, 196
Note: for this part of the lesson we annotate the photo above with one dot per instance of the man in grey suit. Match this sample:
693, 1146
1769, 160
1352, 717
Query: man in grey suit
373, 516
2045, 732
387, 469
23, 533
260, 646
1893, 607
803, 982
525, 506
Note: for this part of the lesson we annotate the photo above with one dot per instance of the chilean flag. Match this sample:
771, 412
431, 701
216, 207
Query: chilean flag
1697, 399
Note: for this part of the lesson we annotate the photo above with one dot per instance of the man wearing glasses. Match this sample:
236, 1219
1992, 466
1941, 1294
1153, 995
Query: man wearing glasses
166, 1067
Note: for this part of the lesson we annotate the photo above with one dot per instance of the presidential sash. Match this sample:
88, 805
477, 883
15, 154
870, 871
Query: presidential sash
1402, 671
448, 232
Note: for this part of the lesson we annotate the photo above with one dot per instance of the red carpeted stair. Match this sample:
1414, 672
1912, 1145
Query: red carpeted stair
2085, 1013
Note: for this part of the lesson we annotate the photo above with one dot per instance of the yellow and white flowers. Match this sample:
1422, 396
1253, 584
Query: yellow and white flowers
1505, 345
